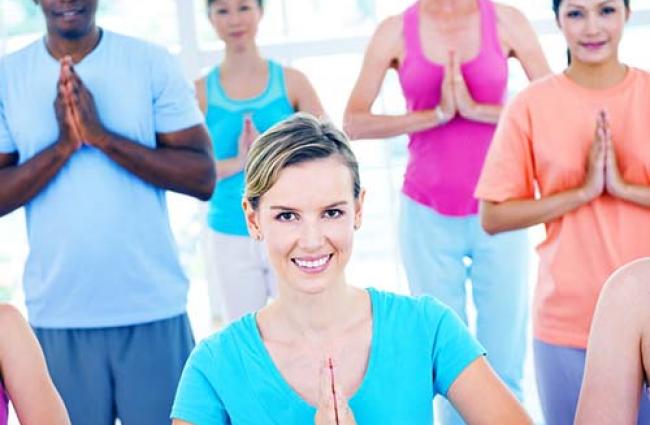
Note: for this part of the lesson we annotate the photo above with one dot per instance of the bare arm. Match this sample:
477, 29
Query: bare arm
301, 93
522, 42
614, 371
21, 183
482, 399
25, 375
179, 422
520, 213
382, 53
181, 161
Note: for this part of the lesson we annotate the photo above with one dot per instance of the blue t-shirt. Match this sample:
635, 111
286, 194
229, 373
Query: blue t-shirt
101, 248
418, 348
224, 118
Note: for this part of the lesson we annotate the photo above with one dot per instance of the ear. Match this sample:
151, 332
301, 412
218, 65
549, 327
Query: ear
628, 12
358, 209
252, 220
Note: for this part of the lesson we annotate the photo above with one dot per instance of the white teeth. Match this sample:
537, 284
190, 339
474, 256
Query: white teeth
312, 264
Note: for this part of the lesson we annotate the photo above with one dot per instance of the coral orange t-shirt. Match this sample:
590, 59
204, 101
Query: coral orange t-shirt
543, 140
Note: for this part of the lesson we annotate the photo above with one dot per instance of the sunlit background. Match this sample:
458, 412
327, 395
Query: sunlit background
325, 39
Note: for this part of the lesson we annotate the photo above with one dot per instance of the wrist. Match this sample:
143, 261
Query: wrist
64, 148
440, 116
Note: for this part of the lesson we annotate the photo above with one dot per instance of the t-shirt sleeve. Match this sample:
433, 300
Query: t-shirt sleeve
175, 106
197, 400
509, 172
454, 348
7, 144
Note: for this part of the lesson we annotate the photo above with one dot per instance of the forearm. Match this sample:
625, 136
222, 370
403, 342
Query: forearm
182, 170
21, 183
485, 113
229, 167
365, 125
522, 213
636, 194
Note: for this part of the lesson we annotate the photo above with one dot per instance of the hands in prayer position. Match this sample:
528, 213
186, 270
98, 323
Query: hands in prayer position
333, 408
75, 110
603, 175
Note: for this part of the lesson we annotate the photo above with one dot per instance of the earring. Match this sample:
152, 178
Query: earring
257, 237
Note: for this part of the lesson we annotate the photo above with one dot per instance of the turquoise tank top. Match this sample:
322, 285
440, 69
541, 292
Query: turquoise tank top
224, 119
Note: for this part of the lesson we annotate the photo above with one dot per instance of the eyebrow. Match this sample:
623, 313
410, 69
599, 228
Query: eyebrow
281, 207
602, 3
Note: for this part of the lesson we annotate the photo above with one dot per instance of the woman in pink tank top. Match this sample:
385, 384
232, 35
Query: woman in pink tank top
24, 379
451, 58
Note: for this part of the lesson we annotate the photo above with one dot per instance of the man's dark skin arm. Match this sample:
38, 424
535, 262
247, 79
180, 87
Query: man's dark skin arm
20, 183
182, 160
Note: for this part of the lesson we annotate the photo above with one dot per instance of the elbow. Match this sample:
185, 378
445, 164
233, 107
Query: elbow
351, 127
489, 220
205, 187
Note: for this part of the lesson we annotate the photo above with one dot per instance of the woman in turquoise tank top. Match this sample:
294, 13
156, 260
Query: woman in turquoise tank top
24, 379
451, 58
242, 97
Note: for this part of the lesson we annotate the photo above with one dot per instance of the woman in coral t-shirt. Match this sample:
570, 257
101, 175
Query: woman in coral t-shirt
571, 151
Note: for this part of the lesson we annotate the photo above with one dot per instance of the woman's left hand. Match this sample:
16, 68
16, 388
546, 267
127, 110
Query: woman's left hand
464, 101
333, 408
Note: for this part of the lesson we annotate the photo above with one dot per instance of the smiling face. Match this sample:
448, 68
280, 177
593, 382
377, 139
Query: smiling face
69, 19
307, 219
593, 28
236, 21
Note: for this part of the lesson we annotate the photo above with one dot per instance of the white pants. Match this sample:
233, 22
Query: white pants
240, 280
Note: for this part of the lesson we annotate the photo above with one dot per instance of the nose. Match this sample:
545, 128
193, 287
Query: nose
312, 236
592, 23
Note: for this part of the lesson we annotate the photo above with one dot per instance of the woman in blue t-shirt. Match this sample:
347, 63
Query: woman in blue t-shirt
326, 352
244, 95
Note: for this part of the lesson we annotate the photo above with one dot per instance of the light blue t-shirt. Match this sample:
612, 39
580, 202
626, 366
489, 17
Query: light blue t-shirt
224, 118
418, 349
101, 248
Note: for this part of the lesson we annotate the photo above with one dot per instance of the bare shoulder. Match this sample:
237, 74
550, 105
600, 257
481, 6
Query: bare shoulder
200, 85
509, 17
389, 32
632, 280
10, 316
294, 77
200, 90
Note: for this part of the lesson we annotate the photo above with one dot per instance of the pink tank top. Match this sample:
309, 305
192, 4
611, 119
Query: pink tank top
4, 406
445, 162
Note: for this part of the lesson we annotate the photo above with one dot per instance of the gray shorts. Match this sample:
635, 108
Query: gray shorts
126, 372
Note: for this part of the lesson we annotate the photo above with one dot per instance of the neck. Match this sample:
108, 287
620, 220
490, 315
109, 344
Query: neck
447, 6
76, 48
320, 317
242, 58
597, 76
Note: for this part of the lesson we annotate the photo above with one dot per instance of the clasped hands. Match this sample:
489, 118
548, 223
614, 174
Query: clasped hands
455, 97
603, 175
75, 111
332, 408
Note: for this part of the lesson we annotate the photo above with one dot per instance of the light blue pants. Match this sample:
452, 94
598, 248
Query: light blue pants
441, 253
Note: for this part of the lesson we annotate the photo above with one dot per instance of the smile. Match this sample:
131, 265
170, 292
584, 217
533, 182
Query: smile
313, 265
593, 45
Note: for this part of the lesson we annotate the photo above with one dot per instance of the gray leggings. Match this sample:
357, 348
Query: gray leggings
559, 377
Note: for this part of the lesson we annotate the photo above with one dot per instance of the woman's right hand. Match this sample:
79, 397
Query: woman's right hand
333, 408
594, 184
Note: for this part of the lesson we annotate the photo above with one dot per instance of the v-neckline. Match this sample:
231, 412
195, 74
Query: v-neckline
288, 389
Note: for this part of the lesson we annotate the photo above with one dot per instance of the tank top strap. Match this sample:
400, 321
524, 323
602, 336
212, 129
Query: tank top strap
489, 31
277, 87
213, 89
411, 30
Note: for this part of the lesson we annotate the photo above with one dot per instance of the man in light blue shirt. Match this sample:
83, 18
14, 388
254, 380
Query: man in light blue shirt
94, 128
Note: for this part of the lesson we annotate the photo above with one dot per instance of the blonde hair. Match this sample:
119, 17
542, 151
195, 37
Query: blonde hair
300, 138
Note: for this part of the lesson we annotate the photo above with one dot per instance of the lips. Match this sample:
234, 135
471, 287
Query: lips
312, 264
68, 13
594, 45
